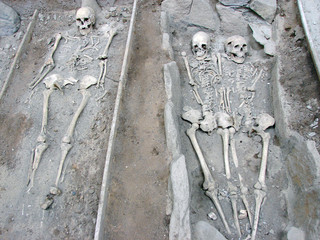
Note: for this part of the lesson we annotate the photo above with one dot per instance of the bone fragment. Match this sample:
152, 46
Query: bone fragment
259, 197
233, 199
232, 131
208, 184
219, 64
224, 133
112, 33
186, 62
228, 106
197, 96
48, 66
221, 103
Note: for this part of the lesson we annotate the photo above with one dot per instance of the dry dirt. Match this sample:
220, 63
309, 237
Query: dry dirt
139, 170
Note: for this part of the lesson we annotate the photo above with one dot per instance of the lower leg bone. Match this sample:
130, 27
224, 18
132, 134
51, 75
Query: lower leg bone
66, 141
259, 196
262, 174
208, 184
233, 199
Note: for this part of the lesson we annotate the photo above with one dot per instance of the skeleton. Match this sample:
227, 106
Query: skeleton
52, 82
66, 144
262, 122
103, 59
236, 48
85, 19
48, 66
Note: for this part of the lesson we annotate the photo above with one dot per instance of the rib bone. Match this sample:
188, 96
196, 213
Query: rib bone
208, 184
48, 66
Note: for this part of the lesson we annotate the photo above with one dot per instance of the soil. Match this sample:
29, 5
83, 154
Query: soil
140, 167
298, 75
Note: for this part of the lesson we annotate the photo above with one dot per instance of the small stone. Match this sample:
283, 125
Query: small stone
312, 134
271, 231
242, 214
55, 191
113, 9
47, 203
212, 216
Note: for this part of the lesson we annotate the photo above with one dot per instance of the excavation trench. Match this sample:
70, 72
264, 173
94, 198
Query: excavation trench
139, 168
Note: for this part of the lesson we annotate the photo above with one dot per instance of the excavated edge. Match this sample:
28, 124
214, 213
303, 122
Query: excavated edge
22, 47
100, 221
306, 16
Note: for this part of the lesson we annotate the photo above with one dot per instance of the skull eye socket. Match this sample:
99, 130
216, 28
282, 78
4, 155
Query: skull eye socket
86, 19
78, 19
229, 43
237, 46
204, 46
195, 46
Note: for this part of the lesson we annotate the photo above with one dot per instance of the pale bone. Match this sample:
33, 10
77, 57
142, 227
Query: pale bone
85, 19
208, 184
196, 95
232, 131
224, 133
219, 64
259, 197
236, 48
263, 121
228, 100
52, 82
66, 144
224, 122
233, 198
208, 124
225, 100
244, 192
221, 103
200, 45
49, 65
192, 82
252, 88
192, 116
103, 59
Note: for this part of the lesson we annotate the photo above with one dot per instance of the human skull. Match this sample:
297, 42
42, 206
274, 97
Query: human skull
200, 45
236, 48
85, 19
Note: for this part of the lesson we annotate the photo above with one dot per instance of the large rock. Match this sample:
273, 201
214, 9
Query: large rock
172, 83
204, 231
263, 35
9, 20
232, 21
265, 8
180, 218
177, 8
193, 13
